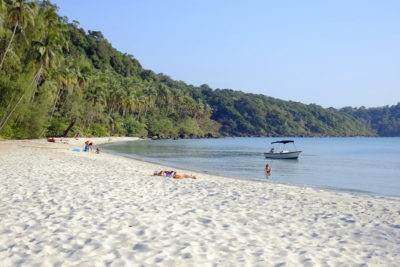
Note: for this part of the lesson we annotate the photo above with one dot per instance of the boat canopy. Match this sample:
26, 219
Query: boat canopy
283, 142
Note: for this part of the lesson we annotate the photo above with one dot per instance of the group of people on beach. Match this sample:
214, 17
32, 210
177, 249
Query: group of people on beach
89, 147
53, 140
164, 173
173, 174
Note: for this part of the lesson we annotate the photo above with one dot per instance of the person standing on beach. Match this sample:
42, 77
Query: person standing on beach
86, 146
90, 145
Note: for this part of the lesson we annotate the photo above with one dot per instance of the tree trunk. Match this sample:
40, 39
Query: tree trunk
35, 81
53, 110
8, 108
11, 112
6, 118
72, 124
9, 44
55, 103
111, 110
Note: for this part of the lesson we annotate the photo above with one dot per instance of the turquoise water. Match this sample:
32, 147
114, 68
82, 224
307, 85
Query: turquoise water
364, 165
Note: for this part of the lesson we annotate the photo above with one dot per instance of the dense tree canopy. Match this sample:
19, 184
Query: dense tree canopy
56, 79
249, 114
385, 120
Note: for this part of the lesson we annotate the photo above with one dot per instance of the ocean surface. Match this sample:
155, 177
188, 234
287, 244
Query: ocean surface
360, 165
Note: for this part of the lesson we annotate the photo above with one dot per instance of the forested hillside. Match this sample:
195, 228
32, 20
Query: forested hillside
385, 120
249, 114
56, 79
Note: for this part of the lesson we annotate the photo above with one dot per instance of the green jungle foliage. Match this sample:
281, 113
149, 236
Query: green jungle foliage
386, 120
56, 79
249, 114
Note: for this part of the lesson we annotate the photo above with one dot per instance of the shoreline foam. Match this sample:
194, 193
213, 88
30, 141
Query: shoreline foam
75, 208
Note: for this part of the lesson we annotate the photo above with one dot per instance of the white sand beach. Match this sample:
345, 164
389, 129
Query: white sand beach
65, 208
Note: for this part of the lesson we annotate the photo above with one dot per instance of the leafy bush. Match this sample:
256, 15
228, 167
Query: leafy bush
97, 129
135, 128
57, 127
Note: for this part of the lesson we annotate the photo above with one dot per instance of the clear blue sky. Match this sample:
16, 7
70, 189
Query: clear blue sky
332, 53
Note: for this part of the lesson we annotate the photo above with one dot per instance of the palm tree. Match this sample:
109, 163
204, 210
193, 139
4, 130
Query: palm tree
6, 117
3, 9
47, 50
21, 15
66, 78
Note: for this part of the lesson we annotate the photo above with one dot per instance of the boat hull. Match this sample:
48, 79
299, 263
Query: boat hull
283, 155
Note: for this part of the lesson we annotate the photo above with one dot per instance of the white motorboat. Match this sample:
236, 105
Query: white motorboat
279, 150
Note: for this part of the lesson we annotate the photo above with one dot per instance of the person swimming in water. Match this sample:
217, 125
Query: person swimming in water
268, 169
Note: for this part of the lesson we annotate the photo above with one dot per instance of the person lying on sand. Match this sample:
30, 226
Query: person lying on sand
183, 176
168, 174
53, 140
173, 174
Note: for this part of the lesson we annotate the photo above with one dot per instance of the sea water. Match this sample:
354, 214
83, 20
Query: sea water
362, 165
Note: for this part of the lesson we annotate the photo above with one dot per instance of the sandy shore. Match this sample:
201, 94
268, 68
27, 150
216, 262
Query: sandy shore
65, 208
